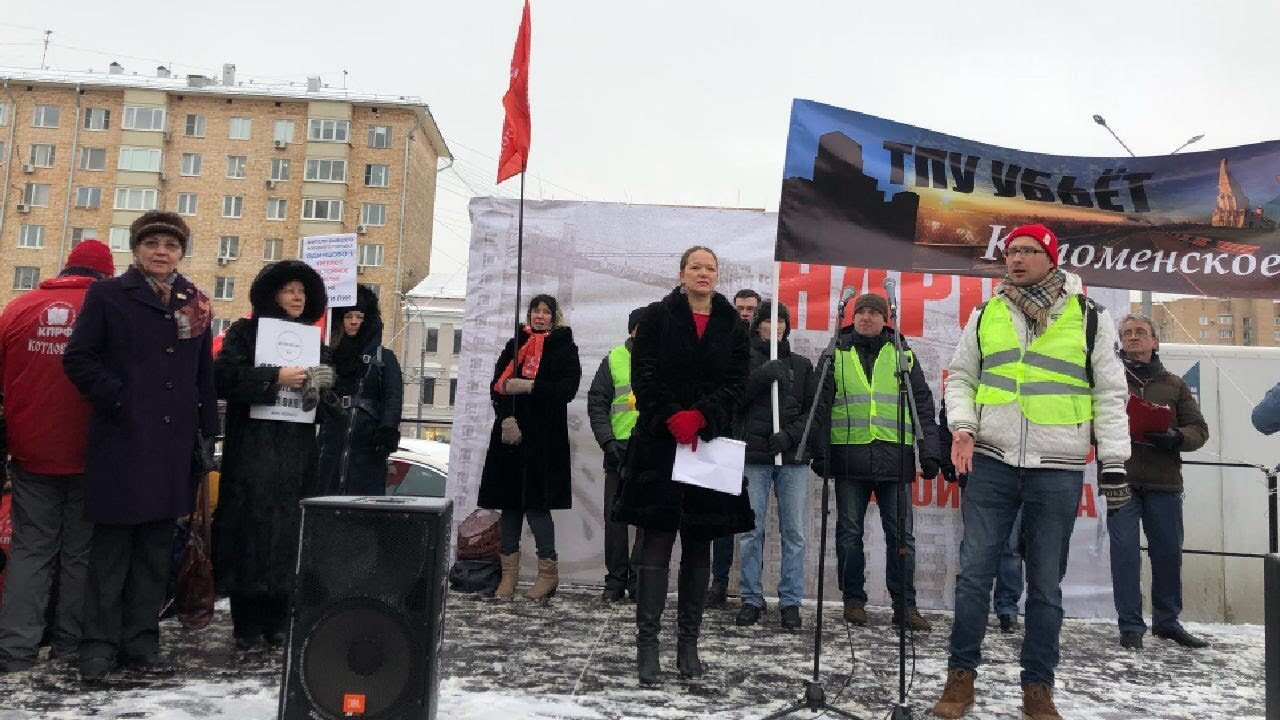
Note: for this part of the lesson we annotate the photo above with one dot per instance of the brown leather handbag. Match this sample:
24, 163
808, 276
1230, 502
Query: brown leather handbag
194, 597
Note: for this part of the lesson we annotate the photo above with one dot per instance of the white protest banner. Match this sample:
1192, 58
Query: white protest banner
334, 257
286, 344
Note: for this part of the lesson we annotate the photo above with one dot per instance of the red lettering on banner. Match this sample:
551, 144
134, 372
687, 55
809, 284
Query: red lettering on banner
948, 492
815, 284
915, 293
1087, 506
971, 296
921, 491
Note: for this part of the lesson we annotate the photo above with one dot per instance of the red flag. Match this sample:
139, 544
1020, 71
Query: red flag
516, 132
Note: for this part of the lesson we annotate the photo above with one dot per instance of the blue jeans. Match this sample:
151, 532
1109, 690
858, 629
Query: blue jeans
1161, 516
721, 558
1009, 577
852, 499
1048, 500
791, 486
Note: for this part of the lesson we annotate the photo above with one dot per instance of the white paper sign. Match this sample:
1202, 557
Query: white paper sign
334, 257
716, 465
285, 344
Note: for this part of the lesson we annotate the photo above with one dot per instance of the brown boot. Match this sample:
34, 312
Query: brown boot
957, 696
547, 581
855, 612
1037, 703
915, 621
510, 576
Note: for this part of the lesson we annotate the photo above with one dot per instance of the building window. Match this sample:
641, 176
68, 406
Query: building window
139, 159
371, 255
220, 325
36, 194
4, 113
224, 288
457, 342
375, 288
195, 126
377, 175
282, 131
143, 118
188, 203
428, 390
319, 130
93, 158
45, 116
320, 170
229, 247
317, 209
118, 240
25, 278
433, 339
191, 245
1224, 333
190, 164
273, 248
42, 155
129, 198
379, 136
1224, 319
279, 169
277, 209
1204, 320
88, 197
79, 235
31, 236
236, 165
232, 206
97, 119
240, 127
373, 214
1275, 335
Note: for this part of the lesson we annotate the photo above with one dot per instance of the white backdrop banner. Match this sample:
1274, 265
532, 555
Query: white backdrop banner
602, 260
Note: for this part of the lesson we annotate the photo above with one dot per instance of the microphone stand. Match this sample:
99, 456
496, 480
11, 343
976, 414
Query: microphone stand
906, 399
815, 697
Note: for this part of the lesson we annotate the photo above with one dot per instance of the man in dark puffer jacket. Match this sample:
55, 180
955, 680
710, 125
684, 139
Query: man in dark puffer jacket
797, 386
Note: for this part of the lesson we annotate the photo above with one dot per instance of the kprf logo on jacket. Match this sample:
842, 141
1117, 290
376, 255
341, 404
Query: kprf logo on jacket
55, 326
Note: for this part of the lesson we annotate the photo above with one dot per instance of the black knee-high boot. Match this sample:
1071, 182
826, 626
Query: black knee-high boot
651, 597
692, 598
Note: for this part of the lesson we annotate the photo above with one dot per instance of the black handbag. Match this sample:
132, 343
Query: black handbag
202, 455
475, 576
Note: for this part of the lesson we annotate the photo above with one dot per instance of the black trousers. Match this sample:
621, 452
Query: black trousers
255, 616
619, 560
125, 590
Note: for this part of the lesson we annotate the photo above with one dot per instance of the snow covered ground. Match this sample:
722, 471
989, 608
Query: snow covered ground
573, 658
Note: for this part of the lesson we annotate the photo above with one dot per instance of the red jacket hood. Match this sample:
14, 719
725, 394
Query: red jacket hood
66, 282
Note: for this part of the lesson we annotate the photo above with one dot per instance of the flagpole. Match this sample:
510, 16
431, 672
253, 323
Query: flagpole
519, 263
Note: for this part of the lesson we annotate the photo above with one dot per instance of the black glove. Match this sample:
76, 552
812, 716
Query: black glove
819, 465
778, 443
1114, 487
929, 468
1167, 440
385, 441
948, 472
614, 454
771, 370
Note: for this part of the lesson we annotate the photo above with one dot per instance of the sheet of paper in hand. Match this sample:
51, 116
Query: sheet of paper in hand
718, 464
285, 344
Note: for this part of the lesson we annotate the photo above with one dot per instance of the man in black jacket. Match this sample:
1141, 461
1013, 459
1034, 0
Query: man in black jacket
866, 457
611, 408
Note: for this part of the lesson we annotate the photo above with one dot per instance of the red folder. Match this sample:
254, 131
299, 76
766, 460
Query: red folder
1145, 417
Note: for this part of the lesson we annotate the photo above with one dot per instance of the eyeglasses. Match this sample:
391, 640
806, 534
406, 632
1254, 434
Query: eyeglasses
1135, 332
152, 244
1024, 250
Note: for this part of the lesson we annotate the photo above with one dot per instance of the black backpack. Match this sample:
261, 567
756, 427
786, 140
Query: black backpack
476, 576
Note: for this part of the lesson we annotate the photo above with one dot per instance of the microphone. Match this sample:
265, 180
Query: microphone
845, 296
891, 290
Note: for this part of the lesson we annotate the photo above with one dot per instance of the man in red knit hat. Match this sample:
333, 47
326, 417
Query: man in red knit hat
46, 419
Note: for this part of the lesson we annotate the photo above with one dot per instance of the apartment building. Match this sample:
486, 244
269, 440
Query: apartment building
431, 346
253, 168
1218, 321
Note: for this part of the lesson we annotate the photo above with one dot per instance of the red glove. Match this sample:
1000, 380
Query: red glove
684, 426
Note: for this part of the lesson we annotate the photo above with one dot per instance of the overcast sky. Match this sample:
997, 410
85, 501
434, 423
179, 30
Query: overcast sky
687, 102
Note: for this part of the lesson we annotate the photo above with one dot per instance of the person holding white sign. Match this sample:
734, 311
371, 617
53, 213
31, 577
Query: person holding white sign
689, 374
267, 465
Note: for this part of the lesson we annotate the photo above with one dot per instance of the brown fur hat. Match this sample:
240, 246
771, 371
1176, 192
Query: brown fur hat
159, 222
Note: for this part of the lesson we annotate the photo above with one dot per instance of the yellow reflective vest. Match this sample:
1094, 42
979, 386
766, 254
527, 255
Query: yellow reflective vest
622, 413
1048, 379
866, 410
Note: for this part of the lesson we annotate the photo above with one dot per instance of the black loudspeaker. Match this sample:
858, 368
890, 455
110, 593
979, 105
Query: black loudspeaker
367, 612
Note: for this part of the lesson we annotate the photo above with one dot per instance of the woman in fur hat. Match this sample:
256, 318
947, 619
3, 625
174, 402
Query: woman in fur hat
267, 465
526, 471
354, 446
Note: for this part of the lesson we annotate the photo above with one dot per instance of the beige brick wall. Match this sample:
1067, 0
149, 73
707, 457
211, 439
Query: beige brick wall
1202, 321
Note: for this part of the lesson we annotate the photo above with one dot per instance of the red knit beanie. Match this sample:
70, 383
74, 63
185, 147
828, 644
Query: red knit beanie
94, 255
1040, 234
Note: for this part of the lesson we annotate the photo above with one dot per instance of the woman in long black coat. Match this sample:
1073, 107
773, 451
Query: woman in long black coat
526, 471
267, 465
354, 444
140, 354
688, 372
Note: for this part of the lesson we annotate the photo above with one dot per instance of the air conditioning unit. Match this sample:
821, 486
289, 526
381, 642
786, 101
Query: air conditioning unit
168, 136
271, 184
28, 168
163, 176
362, 229
360, 269
280, 144
224, 259
24, 207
